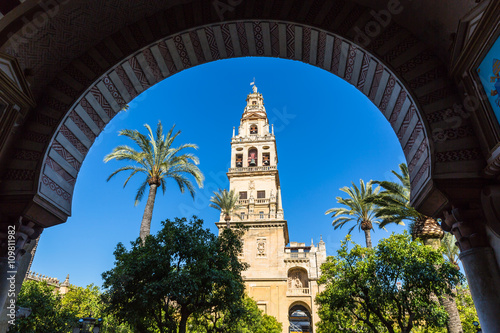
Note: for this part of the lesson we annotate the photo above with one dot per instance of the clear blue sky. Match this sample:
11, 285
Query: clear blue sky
328, 134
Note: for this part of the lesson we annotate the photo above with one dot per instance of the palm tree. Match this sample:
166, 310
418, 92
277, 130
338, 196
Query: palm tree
225, 201
158, 160
394, 207
357, 209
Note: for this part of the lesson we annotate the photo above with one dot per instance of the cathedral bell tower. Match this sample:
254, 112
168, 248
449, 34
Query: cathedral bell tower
281, 278
254, 177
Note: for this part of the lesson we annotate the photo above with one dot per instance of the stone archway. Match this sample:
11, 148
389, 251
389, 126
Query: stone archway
300, 319
81, 75
396, 70
85, 115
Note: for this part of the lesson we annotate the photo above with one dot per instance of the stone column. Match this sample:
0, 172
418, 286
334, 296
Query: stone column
15, 240
480, 265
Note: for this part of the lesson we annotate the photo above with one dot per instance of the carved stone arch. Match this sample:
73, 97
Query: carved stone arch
297, 278
104, 97
300, 318
395, 71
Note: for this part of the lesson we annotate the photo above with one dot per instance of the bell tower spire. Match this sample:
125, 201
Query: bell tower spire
253, 174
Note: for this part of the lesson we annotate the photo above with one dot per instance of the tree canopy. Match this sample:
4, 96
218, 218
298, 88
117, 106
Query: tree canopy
48, 315
245, 317
53, 313
393, 286
184, 269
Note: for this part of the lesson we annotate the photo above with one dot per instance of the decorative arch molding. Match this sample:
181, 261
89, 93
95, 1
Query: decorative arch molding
405, 83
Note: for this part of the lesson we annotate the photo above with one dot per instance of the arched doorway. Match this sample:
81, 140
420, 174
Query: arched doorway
300, 319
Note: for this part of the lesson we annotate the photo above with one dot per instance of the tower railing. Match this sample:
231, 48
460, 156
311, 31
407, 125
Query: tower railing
254, 138
296, 255
254, 217
297, 291
251, 169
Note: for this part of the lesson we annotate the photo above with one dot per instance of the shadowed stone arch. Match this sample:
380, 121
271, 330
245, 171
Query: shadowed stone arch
84, 59
155, 39
85, 113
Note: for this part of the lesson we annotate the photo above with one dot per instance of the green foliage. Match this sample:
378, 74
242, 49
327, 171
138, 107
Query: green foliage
53, 313
450, 248
83, 302
466, 308
225, 201
158, 160
88, 301
362, 291
182, 270
394, 200
48, 313
356, 209
245, 318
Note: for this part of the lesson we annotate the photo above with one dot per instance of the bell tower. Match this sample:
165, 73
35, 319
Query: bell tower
254, 174
254, 177
282, 274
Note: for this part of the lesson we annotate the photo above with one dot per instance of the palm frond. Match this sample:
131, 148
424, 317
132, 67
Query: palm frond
225, 201
140, 192
158, 159
355, 208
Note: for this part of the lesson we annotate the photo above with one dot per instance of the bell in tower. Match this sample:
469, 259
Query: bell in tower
252, 157
253, 129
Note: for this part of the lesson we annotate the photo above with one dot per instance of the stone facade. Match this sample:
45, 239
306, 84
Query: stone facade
61, 288
283, 275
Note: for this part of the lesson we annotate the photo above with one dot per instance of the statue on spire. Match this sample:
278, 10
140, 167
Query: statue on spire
254, 88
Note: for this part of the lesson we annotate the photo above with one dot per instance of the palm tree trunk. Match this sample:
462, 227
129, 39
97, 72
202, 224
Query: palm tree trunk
148, 212
368, 237
454, 325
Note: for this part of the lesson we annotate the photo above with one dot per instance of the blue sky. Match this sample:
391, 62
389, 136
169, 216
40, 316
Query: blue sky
328, 134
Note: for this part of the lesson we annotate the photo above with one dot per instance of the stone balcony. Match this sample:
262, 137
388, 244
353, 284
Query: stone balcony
257, 217
253, 138
297, 256
252, 169
261, 201
298, 292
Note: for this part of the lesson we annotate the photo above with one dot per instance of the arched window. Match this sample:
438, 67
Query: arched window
266, 159
252, 157
300, 319
239, 160
253, 129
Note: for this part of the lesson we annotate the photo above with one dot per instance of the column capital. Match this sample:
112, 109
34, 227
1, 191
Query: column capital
20, 233
468, 231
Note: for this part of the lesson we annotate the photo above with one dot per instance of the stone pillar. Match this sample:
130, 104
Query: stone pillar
480, 265
15, 240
